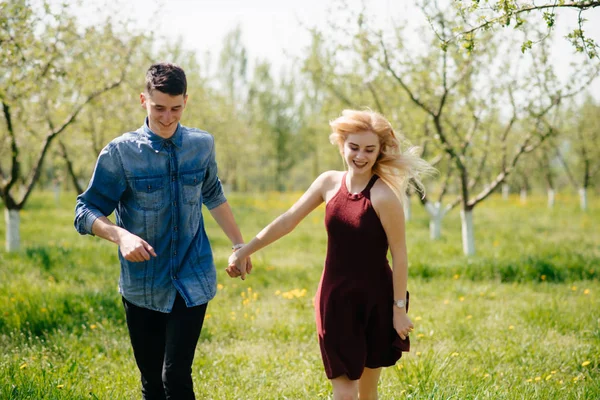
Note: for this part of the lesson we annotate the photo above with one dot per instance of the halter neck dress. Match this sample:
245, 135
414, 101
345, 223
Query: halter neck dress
353, 304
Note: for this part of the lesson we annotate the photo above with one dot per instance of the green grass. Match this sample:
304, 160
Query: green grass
520, 320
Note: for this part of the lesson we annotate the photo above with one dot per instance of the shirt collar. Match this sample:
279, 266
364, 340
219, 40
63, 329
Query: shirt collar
158, 142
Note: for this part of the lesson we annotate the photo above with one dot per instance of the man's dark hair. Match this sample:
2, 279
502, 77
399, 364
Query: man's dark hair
167, 78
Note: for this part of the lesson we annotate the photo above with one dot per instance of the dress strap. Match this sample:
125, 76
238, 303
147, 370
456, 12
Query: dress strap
367, 188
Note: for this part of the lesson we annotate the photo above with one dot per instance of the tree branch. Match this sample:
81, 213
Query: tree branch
509, 14
35, 173
15, 165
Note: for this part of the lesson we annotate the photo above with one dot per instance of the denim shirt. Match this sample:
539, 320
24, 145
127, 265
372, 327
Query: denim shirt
156, 187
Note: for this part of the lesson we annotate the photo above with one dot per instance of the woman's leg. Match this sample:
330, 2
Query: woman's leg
344, 388
367, 384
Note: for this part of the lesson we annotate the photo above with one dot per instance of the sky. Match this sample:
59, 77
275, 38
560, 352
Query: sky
274, 29
270, 28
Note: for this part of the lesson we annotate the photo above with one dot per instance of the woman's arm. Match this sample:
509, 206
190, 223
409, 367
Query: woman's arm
283, 224
391, 213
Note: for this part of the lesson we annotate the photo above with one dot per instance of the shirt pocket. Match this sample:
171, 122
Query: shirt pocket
191, 183
150, 193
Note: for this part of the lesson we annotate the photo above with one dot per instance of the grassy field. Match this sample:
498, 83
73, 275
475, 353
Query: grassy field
520, 320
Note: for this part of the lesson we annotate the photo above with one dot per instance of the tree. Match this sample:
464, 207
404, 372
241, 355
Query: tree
579, 152
465, 98
50, 70
276, 118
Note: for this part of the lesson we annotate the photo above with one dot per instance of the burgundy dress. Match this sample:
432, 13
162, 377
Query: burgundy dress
355, 297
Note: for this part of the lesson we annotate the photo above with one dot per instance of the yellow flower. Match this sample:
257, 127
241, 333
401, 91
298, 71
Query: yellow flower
548, 377
420, 335
278, 292
446, 301
586, 291
93, 326
529, 380
455, 354
60, 386
461, 298
538, 378
543, 277
574, 288
455, 277
418, 353
585, 363
220, 286
486, 375
418, 318
511, 327
399, 366
23, 366
469, 316
552, 372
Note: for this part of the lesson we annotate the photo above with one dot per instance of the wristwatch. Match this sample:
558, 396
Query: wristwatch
400, 303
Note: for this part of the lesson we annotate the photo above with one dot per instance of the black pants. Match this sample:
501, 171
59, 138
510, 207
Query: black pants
163, 346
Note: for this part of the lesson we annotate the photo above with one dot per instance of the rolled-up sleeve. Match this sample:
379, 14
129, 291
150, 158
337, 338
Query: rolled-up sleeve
212, 191
104, 191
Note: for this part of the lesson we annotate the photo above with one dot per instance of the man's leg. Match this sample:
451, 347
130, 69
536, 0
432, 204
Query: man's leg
147, 333
183, 331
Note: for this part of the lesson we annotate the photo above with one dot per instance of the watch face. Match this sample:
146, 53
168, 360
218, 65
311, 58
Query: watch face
400, 303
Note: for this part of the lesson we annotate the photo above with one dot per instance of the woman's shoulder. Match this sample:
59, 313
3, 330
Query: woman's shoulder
382, 193
330, 177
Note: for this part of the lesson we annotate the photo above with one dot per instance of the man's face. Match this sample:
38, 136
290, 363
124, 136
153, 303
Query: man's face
164, 111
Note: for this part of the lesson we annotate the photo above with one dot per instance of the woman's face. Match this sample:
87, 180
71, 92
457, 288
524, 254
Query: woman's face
361, 151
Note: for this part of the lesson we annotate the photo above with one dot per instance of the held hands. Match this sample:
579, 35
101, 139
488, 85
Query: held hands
402, 323
135, 249
238, 267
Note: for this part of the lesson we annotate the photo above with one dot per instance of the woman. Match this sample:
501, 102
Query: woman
361, 304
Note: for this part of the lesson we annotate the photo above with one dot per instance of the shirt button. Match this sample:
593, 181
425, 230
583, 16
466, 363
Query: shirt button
174, 277
175, 229
175, 253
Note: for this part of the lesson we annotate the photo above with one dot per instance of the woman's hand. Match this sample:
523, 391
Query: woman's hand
238, 267
402, 323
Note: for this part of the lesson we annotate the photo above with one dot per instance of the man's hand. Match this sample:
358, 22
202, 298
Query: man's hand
135, 249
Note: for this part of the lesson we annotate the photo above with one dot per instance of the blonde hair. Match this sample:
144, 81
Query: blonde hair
397, 168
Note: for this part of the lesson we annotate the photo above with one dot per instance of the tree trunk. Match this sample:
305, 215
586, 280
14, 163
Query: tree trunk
551, 198
524, 196
436, 214
505, 191
583, 198
13, 239
407, 209
468, 232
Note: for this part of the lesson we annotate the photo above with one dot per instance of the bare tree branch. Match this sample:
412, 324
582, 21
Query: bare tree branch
7, 184
35, 173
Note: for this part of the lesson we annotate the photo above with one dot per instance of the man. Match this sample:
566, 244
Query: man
156, 180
